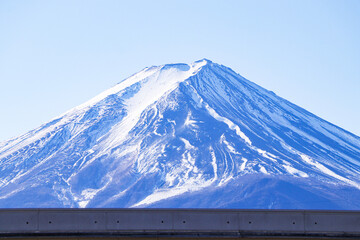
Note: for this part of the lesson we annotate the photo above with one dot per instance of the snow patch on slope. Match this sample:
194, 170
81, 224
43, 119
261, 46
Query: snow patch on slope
327, 171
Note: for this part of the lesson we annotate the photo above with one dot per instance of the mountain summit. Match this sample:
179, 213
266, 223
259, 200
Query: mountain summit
183, 135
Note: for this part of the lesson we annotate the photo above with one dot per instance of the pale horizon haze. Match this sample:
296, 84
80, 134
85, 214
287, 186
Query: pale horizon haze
55, 55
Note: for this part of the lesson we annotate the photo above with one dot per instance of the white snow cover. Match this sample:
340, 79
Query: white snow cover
169, 131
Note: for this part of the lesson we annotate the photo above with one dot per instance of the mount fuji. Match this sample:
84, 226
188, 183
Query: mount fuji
186, 136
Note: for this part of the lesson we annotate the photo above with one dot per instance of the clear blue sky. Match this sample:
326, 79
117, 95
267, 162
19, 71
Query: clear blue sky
55, 55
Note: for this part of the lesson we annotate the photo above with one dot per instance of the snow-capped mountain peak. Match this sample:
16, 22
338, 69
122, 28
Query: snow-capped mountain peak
172, 134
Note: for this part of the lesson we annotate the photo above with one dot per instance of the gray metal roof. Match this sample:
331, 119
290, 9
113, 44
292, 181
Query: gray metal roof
219, 223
